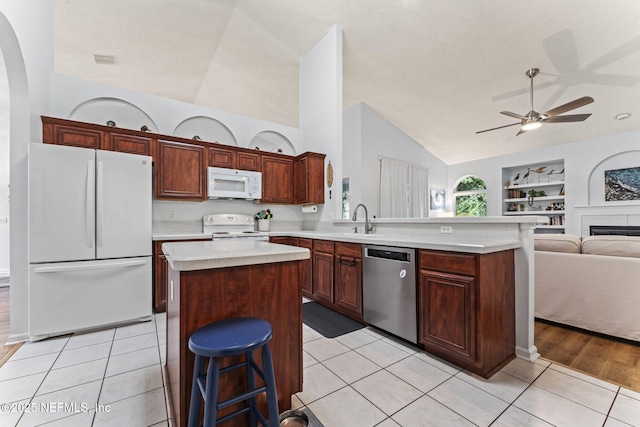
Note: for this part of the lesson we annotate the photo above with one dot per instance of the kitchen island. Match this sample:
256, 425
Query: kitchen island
214, 280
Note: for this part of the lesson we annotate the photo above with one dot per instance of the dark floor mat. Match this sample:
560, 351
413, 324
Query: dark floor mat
327, 322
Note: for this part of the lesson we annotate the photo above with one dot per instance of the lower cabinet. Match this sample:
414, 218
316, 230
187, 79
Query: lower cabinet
348, 279
322, 262
306, 266
466, 308
160, 271
306, 269
333, 274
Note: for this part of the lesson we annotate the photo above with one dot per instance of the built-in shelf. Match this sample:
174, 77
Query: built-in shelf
515, 195
539, 213
536, 199
535, 185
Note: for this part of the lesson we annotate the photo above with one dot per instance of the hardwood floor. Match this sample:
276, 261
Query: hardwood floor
5, 350
610, 359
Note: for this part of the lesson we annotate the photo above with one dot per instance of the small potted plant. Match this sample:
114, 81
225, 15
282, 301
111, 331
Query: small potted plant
263, 218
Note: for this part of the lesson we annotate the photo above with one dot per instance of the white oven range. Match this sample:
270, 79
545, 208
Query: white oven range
232, 226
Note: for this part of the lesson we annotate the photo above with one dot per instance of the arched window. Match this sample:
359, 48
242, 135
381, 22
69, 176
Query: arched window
471, 197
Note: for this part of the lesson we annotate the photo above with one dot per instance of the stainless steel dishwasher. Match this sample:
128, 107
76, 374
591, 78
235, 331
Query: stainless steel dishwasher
389, 290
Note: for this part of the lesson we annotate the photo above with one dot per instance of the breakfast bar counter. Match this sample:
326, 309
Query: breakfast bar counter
214, 280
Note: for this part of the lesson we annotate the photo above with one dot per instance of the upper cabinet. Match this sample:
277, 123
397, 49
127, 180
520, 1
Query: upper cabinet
130, 144
536, 189
181, 171
64, 132
277, 179
310, 178
180, 164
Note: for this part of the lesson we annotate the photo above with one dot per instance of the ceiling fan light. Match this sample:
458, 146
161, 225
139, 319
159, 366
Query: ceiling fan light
531, 125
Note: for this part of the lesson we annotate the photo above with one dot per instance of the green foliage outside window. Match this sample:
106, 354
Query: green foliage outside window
474, 204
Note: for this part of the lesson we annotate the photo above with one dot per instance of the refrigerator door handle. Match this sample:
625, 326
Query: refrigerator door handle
100, 204
56, 268
89, 202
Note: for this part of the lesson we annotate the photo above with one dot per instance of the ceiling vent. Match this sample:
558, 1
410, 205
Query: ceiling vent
104, 59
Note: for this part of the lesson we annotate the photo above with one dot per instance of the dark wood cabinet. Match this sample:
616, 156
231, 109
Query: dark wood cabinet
277, 179
221, 157
160, 269
180, 165
448, 312
306, 269
249, 161
310, 178
466, 308
181, 171
130, 144
62, 132
322, 256
348, 279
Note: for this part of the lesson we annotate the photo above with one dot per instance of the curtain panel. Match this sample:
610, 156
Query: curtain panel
404, 189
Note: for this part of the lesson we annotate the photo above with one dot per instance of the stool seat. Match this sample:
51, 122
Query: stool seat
230, 337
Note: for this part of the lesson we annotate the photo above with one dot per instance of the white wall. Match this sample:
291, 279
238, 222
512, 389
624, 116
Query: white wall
167, 114
369, 136
4, 170
321, 114
26, 39
585, 161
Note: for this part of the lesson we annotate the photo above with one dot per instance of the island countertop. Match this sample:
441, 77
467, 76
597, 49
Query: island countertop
206, 254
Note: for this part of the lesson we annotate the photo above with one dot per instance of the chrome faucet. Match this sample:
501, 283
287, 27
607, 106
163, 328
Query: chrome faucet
368, 228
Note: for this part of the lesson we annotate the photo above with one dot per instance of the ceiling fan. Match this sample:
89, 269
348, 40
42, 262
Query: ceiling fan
533, 119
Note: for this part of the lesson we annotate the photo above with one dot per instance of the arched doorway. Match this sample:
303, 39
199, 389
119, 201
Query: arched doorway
19, 137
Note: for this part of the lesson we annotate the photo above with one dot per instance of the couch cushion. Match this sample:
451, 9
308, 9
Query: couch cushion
557, 243
627, 246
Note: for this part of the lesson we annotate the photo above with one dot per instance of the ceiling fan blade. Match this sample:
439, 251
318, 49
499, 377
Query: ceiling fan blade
514, 115
568, 118
576, 103
499, 127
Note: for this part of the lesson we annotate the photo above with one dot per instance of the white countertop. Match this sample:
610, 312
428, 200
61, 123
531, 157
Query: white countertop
178, 230
207, 254
441, 243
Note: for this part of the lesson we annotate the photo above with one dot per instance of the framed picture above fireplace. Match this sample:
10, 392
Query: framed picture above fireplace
622, 184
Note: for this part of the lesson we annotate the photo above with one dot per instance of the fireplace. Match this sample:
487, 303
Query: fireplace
616, 230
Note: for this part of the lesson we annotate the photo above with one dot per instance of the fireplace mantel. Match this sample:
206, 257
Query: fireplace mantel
619, 214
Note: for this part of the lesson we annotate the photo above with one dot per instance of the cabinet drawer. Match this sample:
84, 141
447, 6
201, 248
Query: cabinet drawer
451, 262
353, 250
323, 246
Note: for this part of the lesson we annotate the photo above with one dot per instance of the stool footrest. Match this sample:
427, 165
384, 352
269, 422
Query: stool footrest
241, 397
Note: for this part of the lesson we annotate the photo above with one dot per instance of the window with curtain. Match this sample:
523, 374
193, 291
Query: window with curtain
404, 189
471, 197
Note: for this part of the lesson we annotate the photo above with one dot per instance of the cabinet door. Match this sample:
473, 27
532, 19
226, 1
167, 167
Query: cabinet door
160, 265
323, 270
310, 179
306, 269
348, 284
277, 180
447, 308
249, 161
73, 136
130, 144
181, 171
222, 157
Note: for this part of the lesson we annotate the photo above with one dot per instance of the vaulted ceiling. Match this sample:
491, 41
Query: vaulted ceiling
440, 70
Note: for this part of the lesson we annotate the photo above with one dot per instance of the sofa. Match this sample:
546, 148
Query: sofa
592, 284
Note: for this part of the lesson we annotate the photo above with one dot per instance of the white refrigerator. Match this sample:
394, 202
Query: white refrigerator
89, 239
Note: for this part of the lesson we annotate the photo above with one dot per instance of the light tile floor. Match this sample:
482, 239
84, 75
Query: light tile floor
365, 378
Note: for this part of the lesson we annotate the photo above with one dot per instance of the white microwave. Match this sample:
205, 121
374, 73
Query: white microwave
234, 184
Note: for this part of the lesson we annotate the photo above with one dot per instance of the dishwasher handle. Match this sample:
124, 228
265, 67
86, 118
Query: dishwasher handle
391, 255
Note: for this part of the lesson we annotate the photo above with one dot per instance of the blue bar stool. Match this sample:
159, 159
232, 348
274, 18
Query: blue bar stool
232, 337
